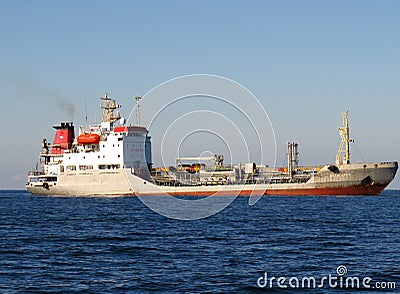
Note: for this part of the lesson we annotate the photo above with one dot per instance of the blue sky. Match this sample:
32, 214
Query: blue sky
306, 61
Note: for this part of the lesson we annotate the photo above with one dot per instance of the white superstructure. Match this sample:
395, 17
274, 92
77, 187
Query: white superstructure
95, 161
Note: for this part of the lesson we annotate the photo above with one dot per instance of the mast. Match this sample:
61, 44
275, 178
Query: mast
292, 158
289, 159
343, 155
110, 106
138, 109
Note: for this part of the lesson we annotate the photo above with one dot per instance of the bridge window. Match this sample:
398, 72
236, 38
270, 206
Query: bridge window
71, 167
85, 167
109, 166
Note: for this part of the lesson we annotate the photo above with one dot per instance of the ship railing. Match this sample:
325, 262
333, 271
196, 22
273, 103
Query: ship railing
48, 154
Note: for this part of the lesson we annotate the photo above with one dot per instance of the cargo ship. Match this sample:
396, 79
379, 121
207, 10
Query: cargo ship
114, 158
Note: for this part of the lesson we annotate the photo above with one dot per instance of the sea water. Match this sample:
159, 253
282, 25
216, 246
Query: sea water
118, 245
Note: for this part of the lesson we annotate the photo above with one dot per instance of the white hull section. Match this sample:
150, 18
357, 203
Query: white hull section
94, 183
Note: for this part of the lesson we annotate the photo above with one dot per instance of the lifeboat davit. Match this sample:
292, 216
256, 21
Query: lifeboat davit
86, 138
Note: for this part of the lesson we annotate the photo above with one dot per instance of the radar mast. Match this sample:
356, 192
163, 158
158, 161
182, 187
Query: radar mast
110, 106
343, 155
138, 98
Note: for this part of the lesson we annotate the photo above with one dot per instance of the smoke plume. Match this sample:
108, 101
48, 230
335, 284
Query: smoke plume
67, 106
26, 87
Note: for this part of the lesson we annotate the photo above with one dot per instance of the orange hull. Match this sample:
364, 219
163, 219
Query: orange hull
353, 190
334, 191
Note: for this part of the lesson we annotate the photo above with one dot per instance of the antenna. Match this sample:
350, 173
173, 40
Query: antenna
343, 155
86, 113
138, 109
109, 113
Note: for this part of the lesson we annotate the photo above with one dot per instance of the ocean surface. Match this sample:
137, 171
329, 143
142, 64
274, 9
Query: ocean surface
118, 245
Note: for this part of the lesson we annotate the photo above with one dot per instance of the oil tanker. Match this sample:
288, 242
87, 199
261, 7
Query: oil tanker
113, 158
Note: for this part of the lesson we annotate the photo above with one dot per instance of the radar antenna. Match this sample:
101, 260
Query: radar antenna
110, 106
343, 155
